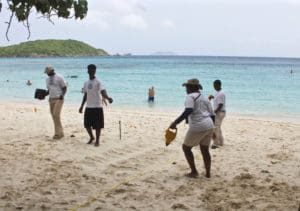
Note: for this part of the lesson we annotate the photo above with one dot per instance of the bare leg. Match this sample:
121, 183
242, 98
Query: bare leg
206, 159
190, 159
90, 132
98, 132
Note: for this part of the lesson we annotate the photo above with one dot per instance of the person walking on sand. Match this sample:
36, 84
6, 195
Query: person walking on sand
198, 111
220, 112
151, 94
93, 114
56, 90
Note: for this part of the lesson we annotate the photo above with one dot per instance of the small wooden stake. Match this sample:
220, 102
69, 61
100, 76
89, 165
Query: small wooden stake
120, 131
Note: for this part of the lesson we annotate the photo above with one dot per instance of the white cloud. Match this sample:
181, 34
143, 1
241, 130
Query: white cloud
97, 19
105, 14
134, 21
118, 6
99, 24
168, 24
239, 2
295, 2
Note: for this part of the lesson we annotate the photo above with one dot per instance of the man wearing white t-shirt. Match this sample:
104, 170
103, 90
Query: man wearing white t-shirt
198, 110
93, 114
56, 90
220, 112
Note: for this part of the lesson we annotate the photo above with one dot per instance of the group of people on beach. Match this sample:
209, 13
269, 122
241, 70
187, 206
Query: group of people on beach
204, 119
204, 123
93, 114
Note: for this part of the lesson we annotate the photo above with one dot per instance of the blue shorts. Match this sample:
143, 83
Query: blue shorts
151, 99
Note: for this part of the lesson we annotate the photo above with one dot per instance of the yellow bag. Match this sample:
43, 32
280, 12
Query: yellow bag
170, 136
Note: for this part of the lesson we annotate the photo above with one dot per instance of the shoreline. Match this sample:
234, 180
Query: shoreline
274, 117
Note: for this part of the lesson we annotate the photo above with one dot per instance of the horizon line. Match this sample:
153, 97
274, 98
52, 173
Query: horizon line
197, 55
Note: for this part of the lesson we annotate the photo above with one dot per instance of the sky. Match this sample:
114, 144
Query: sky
185, 27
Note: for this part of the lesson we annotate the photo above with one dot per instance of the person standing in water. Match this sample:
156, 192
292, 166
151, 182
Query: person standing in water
151, 94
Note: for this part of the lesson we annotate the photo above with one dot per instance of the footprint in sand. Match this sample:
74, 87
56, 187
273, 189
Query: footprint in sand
244, 176
280, 156
180, 206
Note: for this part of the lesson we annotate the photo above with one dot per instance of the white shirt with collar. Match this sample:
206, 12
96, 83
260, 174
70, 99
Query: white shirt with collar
55, 85
220, 98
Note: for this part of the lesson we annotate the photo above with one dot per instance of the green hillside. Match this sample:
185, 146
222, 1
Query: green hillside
51, 48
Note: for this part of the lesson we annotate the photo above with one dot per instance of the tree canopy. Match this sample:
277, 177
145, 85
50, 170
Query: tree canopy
21, 9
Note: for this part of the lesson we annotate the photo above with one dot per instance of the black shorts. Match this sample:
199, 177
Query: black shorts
93, 117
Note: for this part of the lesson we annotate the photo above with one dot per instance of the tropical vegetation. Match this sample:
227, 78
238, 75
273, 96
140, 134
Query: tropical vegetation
51, 48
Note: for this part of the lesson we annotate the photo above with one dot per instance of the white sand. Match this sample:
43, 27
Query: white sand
257, 169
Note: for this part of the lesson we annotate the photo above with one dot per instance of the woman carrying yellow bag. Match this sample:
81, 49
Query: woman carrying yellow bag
170, 136
198, 111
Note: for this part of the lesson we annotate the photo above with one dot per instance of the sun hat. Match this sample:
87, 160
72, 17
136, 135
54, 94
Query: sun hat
49, 69
194, 82
170, 136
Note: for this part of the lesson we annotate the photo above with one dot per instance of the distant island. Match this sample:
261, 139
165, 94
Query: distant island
51, 48
164, 53
125, 54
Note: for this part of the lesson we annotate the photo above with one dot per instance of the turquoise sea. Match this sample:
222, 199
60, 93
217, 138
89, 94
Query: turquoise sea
261, 86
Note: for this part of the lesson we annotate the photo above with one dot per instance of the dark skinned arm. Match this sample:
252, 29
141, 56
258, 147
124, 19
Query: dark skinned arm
105, 96
219, 108
64, 89
83, 102
183, 116
47, 93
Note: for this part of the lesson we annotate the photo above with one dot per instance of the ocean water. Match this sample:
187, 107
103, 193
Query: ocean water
261, 86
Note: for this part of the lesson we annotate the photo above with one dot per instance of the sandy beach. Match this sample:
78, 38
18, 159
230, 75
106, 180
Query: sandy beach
257, 169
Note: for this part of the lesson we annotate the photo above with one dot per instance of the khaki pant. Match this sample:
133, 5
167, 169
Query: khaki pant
218, 136
55, 109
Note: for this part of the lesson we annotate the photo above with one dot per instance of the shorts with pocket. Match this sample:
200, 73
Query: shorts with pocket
194, 138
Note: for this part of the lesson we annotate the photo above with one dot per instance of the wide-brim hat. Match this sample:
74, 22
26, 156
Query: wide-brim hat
49, 69
193, 82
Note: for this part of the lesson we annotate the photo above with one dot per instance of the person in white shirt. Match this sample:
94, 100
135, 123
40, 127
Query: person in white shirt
56, 90
198, 110
93, 114
220, 112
